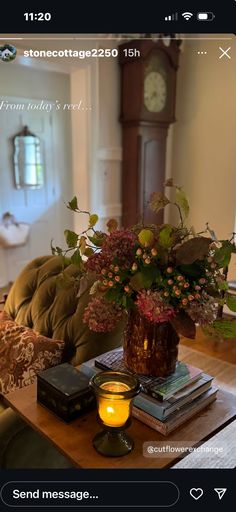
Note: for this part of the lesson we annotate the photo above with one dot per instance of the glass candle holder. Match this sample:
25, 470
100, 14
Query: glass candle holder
114, 392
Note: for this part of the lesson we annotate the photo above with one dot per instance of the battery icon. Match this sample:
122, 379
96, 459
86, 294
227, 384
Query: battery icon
205, 16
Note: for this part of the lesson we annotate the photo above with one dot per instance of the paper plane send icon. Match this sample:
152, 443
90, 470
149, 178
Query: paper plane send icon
220, 491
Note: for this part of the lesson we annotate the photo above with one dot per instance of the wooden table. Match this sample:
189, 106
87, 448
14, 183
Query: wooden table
74, 440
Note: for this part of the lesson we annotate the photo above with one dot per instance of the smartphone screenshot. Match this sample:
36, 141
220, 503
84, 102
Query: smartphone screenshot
118, 258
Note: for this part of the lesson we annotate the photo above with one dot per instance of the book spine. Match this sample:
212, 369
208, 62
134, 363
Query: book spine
155, 410
166, 428
182, 383
188, 399
148, 420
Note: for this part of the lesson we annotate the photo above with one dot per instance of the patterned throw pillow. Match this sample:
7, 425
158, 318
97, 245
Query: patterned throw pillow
23, 353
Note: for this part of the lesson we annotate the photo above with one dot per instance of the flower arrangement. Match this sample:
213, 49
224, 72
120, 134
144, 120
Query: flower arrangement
167, 273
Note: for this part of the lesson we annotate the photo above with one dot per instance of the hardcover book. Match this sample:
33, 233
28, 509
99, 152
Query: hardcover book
176, 419
158, 387
157, 408
163, 409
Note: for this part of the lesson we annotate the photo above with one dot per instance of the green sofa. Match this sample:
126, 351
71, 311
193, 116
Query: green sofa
38, 299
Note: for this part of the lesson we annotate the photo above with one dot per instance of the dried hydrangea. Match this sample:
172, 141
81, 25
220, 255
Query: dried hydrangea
102, 315
118, 247
204, 312
152, 305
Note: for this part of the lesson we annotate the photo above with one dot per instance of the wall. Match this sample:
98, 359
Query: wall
109, 151
203, 145
22, 82
96, 138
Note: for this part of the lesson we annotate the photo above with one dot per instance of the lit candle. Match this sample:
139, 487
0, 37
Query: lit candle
114, 392
113, 409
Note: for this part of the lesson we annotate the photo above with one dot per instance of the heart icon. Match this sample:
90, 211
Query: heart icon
196, 493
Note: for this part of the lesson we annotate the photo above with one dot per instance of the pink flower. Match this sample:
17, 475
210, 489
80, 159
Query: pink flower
102, 315
153, 306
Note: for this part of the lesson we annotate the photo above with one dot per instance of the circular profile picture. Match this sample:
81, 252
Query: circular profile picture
7, 52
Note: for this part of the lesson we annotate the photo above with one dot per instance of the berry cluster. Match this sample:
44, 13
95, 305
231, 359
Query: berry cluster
145, 256
185, 290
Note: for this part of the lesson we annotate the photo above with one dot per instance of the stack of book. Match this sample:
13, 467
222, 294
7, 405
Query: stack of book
165, 403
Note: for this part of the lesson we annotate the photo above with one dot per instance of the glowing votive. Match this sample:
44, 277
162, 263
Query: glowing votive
114, 410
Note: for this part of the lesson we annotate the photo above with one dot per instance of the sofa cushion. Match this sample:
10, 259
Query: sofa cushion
21, 447
23, 353
38, 299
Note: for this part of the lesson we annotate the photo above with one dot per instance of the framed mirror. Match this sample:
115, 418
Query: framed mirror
28, 161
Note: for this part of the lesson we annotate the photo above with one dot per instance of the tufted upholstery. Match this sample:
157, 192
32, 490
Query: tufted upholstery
37, 299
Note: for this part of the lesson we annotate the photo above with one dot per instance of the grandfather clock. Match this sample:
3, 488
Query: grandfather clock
148, 89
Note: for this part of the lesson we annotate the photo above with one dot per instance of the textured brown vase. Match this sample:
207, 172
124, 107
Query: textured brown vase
150, 349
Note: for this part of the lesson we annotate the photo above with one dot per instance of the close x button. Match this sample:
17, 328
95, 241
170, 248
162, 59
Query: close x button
225, 52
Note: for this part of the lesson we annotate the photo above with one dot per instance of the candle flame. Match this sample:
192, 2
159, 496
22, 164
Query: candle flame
110, 410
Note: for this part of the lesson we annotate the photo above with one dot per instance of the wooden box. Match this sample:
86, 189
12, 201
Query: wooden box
65, 391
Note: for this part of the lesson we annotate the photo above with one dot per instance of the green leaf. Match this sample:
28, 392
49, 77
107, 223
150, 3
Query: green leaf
165, 236
113, 294
158, 201
88, 252
184, 325
192, 270
129, 303
97, 239
71, 238
231, 301
181, 201
73, 204
53, 249
56, 250
93, 220
222, 256
222, 285
112, 225
146, 237
192, 250
137, 282
144, 278
76, 258
59, 251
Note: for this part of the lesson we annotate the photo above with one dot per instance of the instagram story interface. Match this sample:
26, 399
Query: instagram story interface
117, 261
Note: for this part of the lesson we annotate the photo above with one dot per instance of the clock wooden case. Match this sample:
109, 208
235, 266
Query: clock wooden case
148, 90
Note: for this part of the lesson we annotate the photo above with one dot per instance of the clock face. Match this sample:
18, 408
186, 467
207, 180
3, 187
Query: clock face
155, 92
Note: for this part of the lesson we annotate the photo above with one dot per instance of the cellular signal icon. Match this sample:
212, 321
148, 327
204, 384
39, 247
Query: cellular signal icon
172, 17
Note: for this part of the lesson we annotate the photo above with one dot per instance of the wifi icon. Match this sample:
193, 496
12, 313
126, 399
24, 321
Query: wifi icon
187, 15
